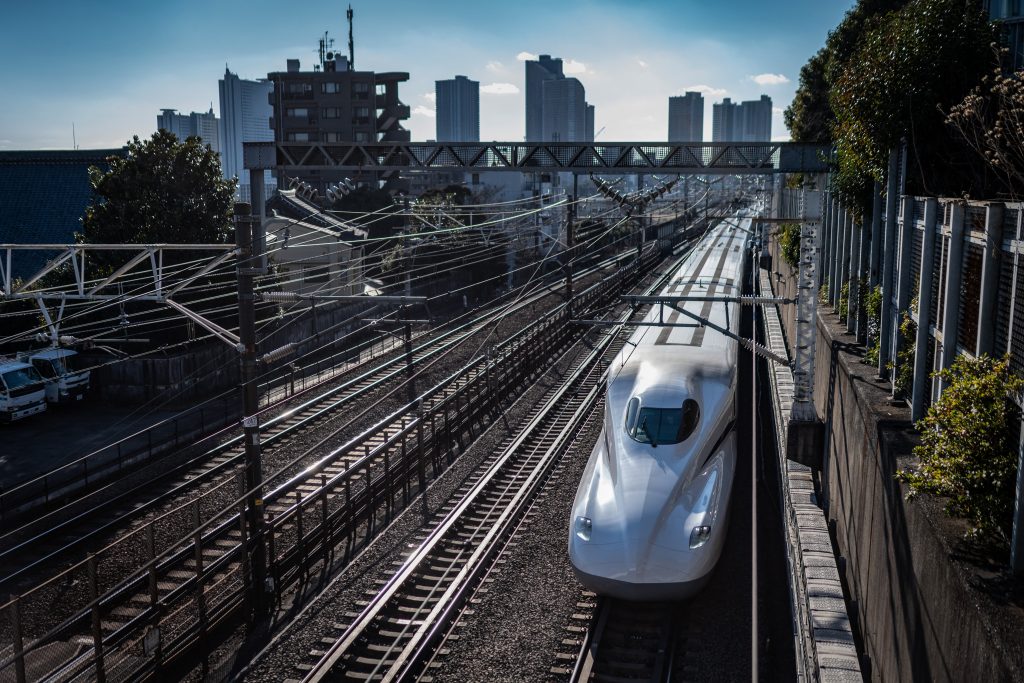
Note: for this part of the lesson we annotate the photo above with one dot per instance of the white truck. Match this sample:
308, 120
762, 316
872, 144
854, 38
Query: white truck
22, 392
65, 382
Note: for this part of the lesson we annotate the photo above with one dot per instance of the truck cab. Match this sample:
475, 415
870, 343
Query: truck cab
22, 391
65, 382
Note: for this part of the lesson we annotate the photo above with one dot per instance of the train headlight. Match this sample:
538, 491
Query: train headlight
699, 536
583, 528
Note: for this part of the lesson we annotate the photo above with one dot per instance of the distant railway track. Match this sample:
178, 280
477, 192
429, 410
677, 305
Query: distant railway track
317, 517
60, 532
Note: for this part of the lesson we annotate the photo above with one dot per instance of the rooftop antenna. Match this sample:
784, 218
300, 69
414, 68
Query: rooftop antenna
74, 138
351, 44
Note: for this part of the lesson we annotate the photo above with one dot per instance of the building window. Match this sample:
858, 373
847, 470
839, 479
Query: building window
360, 91
332, 112
296, 111
362, 136
360, 115
381, 89
334, 137
299, 88
330, 88
297, 137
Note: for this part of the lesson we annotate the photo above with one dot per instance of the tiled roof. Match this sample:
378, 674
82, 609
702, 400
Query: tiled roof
43, 195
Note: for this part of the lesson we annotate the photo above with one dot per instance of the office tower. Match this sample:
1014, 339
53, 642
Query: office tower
245, 113
565, 111
185, 125
723, 121
556, 106
749, 121
686, 117
755, 120
538, 72
458, 110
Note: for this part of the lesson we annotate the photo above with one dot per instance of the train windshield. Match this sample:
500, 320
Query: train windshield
661, 425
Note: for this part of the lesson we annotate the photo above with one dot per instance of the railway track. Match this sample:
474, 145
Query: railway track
626, 641
315, 518
24, 552
395, 634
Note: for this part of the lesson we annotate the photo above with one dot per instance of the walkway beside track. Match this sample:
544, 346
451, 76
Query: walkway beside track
825, 646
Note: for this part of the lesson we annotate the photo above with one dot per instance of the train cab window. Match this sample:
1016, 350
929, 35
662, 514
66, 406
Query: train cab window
661, 425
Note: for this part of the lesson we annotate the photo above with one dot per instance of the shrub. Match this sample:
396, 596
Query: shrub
873, 307
844, 300
968, 449
903, 380
823, 293
789, 242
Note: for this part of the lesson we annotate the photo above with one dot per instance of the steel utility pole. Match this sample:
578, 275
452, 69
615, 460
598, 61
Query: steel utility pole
250, 405
570, 240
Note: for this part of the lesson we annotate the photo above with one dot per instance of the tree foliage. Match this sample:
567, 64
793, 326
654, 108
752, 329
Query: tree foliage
968, 449
908, 67
789, 243
164, 190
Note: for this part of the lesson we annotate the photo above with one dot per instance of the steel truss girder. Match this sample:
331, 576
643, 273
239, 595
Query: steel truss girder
704, 158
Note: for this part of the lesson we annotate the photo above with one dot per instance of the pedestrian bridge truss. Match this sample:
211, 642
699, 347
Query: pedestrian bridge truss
700, 158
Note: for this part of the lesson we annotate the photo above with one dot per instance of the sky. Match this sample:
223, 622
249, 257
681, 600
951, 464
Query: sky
106, 68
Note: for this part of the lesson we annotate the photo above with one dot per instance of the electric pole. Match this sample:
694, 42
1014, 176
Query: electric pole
247, 268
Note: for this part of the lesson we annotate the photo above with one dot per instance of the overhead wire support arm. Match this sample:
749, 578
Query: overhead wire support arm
743, 300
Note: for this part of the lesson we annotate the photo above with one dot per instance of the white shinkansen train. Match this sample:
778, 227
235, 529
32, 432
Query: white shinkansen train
651, 512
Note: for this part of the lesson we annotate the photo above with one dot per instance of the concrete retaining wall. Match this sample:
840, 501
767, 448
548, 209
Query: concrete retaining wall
912, 605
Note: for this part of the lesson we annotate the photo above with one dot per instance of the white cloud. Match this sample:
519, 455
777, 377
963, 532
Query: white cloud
499, 89
778, 110
707, 90
424, 111
642, 63
430, 96
769, 79
495, 66
523, 56
571, 66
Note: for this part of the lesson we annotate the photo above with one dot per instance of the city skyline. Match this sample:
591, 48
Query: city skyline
118, 79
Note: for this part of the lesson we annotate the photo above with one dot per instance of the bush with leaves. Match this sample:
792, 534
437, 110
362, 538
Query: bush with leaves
873, 309
789, 243
903, 380
844, 300
968, 450
823, 293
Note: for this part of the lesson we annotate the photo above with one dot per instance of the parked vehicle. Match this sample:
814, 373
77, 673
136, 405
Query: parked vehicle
22, 391
65, 382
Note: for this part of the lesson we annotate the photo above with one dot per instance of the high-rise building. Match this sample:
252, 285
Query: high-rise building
755, 120
185, 125
336, 104
458, 110
686, 117
723, 121
565, 111
538, 72
245, 114
556, 106
749, 121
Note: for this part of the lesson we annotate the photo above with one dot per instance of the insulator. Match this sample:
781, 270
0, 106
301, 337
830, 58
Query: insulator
279, 296
278, 354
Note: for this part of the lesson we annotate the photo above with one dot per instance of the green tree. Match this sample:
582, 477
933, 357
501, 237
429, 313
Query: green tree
163, 190
968, 450
909, 66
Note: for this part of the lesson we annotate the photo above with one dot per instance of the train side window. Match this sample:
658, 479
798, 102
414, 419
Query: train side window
691, 416
631, 408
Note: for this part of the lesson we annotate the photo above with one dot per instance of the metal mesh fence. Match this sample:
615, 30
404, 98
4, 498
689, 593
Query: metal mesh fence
1003, 304
1017, 336
938, 283
970, 297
